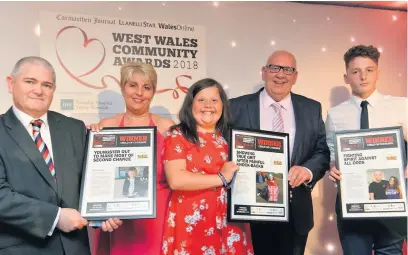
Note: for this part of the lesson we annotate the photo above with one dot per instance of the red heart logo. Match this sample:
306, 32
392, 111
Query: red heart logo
178, 87
104, 85
86, 42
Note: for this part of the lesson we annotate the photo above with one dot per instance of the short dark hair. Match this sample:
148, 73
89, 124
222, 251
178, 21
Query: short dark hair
132, 168
188, 125
364, 51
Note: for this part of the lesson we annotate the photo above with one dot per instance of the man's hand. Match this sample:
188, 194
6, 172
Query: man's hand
298, 175
111, 224
94, 127
70, 220
335, 174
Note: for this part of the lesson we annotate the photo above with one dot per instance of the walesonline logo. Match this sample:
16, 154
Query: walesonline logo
67, 104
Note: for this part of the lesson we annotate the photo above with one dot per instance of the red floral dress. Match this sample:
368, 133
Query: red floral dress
273, 191
197, 220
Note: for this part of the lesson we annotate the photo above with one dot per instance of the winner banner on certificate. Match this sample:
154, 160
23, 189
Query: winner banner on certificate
119, 176
260, 189
372, 163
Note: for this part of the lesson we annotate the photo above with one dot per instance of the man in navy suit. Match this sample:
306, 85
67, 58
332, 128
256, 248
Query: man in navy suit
276, 108
41, 161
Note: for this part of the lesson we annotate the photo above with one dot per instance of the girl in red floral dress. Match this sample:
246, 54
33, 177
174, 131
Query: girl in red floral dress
197, 169
273, 189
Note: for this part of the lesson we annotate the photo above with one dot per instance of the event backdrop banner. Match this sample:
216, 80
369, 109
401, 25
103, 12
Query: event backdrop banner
88, 51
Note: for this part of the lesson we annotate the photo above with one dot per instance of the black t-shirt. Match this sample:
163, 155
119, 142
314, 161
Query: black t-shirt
378, 188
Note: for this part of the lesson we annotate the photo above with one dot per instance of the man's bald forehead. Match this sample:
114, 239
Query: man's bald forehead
282, 54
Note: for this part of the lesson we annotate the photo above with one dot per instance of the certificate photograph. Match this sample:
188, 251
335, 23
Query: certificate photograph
118, 180
260, 188
269, 187
131, 182
372, 163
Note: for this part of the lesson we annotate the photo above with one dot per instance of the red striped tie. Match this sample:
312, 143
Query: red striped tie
277, 122
42, 147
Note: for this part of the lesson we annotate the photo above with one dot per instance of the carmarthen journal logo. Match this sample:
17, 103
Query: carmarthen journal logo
67, 104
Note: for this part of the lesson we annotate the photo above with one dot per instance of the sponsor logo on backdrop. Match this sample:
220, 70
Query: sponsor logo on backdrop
67, 104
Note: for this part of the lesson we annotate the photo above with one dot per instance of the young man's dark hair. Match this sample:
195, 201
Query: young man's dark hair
362, 51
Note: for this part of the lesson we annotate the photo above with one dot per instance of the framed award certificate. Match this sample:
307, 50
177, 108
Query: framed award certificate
260, 188
372, 163
119, 176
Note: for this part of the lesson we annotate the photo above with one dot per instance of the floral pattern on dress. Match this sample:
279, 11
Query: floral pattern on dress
202, 142
219, 141
189, 157
208, 250
178, 149
193, 219
209, 231
224, 155
170, 219
197, 220
207, 159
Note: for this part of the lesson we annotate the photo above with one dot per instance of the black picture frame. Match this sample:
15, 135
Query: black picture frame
358, 208
127, 213
246, 214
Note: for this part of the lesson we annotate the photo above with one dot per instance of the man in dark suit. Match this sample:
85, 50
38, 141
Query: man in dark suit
41, 158
276, 108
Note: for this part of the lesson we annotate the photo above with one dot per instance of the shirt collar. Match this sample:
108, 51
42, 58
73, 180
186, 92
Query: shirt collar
267, 101
372, 99
26, 119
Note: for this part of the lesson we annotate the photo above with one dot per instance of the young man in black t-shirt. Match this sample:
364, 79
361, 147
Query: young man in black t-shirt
377, 187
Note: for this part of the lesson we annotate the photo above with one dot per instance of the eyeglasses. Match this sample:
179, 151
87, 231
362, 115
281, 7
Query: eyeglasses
276, 69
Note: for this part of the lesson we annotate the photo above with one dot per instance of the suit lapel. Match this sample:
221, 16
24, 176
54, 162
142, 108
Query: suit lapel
58, 141
22, 138
297, 109
253, 111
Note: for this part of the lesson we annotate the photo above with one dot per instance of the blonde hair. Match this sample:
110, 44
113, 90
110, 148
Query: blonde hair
146, 71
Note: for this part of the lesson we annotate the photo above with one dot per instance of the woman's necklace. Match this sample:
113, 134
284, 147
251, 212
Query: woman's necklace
136, 117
